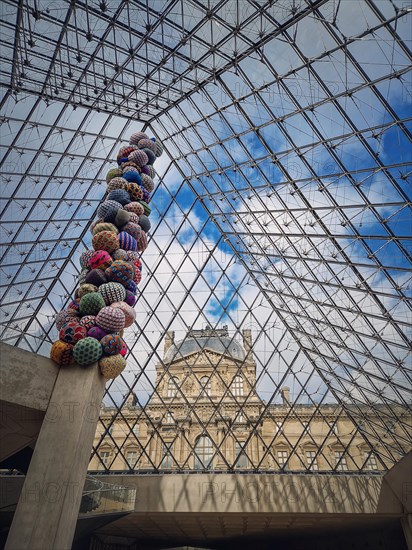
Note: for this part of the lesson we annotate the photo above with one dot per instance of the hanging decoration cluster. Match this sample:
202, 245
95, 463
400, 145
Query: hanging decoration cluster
91, 328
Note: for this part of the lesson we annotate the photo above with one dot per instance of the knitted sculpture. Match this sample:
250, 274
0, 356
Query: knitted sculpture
91, 328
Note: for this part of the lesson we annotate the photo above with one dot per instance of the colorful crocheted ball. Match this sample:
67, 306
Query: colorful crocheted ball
146, 207
112, 366
120, 272
113, 173
64, 317
73, 306
130, 164
105, 240
130, 298
126, 241
91, 304
110, 319
123, 351
136, 137
119, 195
131, 285
133, 230
148, 183
125, 151
62, 353
135, 207
122, 218
139, 157
159, 148
137, 276
82, 276
149, 170
85, 257
86, 288
103, 226
144, 223
96, 332
135, 191
72, 332
100, 260
146, 196
142, 242
147, 144
112, 292
116, 183
96, 277
108, 207
87, 351
111, 344
133, 176
121, 254
129, 313
150, 155
134, 257
134, 218
88, 321
130, 167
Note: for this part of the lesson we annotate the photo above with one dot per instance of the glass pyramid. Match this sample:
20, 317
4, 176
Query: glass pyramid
283, 198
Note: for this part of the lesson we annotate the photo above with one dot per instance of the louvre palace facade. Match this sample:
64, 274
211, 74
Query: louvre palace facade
205, 415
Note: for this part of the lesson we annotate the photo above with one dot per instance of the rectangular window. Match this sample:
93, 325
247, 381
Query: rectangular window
282, 458
136, 430
340, 461
371, 462
279, 427
131, 458
167, 461
311, 461
240, 456
104, 459
306, 427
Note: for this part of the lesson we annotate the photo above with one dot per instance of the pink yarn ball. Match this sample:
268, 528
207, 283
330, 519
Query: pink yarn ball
111, 319
129, 312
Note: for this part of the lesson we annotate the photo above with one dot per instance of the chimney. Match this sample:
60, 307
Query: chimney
285, 393
169, 340
247, 343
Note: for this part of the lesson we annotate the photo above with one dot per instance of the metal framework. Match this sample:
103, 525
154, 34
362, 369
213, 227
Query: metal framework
283, 202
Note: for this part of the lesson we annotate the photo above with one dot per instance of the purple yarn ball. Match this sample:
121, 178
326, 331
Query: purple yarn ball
97, 333
130, 298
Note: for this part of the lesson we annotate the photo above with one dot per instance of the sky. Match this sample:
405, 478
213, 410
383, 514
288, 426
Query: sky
271, 209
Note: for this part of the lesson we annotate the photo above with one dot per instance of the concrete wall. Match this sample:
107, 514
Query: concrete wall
27, 381
231, 493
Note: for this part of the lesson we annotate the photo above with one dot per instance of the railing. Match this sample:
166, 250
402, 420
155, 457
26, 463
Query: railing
102, 498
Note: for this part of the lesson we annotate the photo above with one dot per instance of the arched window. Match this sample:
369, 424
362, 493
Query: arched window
237, 386
203, 453
172, 386
204, 386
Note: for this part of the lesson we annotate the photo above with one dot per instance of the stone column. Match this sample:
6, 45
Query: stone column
46, 514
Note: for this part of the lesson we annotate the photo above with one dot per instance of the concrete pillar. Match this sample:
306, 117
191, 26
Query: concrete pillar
46, 514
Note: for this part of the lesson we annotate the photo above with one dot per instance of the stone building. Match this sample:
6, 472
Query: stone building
205, 414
